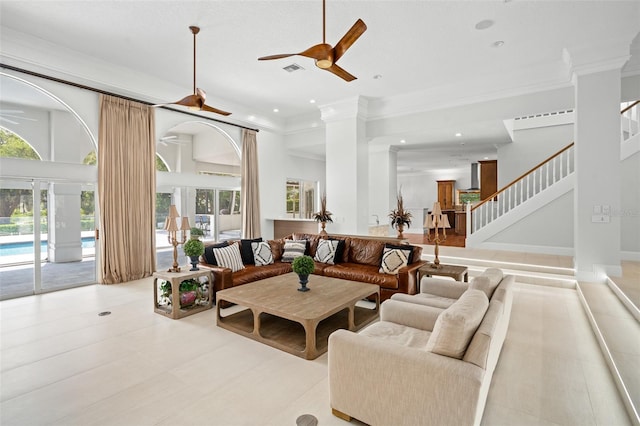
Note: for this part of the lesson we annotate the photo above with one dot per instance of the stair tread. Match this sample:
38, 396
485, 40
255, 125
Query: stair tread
620, 331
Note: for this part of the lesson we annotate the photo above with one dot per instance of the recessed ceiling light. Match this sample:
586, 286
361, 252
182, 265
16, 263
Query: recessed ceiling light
252, 117
276, 110
458, 134
498, 43
377, 76
484, 24
486, 158
403, 141
312, 101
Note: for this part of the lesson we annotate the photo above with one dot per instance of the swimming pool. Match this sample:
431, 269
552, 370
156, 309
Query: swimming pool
14, 249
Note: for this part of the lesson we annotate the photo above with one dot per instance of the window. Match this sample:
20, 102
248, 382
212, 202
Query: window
301, 198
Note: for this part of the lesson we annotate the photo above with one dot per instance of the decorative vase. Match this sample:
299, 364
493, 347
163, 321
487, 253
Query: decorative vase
400, 228
187, 298
194, 263
323, 233
304, 279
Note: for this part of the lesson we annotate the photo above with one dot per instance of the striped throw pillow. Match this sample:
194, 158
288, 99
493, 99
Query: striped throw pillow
293, 249
229, 257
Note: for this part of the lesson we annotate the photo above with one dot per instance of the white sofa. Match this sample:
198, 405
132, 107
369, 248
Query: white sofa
421, 364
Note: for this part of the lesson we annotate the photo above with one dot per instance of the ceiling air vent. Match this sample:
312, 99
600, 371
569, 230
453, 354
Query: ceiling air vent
292, 68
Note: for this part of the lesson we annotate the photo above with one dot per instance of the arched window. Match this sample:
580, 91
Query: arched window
13, 146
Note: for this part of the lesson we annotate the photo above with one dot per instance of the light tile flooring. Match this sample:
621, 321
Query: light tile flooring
63, 364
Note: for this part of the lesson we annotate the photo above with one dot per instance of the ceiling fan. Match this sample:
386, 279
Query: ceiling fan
172, 139
197, 100
9, 115
325, 55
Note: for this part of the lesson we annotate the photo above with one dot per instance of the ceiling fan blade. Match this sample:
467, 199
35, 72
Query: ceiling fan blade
8, 121
319, 52
335, 69
189, 101
284, 55
211, 109
348, 39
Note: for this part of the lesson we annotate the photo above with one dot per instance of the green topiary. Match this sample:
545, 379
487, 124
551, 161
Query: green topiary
193, 248
303, 265
196, 232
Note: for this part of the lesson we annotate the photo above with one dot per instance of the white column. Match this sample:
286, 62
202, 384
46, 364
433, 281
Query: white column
597, 160
347, 165
64, 235
383, 181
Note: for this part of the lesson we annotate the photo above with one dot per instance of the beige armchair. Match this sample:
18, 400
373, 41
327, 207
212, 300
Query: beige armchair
419, 364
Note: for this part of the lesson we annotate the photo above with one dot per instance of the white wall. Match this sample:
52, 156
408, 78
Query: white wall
630, 206
550, 226
276, 165
530, 147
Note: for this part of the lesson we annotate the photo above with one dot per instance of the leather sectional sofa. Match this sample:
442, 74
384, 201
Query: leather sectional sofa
360, 261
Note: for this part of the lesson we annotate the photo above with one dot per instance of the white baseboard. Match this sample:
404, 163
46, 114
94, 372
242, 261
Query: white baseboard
561, 251
630, 255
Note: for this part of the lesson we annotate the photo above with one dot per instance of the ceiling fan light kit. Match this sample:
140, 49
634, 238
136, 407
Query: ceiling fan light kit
326, 56
197, 101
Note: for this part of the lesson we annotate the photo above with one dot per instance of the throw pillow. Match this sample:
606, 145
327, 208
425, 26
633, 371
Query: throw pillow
393, 260
293, 249
402, 247
229, 257
326, 251
339, 251
246, 251
209, 257
457, 324
262, 253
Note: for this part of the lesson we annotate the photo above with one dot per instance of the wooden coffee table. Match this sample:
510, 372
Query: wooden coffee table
293, 321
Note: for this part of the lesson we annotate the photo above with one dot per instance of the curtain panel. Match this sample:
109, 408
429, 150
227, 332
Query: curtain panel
127, 190
250, 191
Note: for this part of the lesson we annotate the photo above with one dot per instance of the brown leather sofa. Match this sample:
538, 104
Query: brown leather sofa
361, 258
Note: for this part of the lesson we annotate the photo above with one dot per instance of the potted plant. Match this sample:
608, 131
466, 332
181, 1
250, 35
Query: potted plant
324, 215
400, 217
303, 266
194, 249
196, 233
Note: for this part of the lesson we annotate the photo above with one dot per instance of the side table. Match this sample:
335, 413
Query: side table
458, 273
172, 308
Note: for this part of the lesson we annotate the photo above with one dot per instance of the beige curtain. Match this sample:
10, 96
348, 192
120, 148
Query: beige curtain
250, 192
127, 190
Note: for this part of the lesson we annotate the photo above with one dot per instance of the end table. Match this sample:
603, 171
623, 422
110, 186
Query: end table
458, 273
172, 308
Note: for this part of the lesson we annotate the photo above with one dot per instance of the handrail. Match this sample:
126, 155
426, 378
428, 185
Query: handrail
630, 106
513, 182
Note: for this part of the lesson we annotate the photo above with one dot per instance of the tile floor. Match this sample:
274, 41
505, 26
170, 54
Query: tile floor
62, 364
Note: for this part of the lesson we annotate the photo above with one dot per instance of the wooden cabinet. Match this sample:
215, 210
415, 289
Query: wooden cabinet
488, 178
446, 194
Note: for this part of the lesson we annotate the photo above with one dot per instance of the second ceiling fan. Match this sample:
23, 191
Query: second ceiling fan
324, 54
199, 97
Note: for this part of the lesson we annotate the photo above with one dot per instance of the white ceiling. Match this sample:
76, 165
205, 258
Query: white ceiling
428, 53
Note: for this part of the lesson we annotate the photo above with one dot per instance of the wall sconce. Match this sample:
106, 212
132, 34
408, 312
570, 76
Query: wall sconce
171, 225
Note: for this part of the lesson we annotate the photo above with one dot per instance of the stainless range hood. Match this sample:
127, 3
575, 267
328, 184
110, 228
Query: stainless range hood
475, 184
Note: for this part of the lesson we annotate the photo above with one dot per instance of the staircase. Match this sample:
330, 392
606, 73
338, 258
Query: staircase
612, 307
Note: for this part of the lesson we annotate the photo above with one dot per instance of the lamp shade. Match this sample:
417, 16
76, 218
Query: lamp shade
444, 220
436, 211
173, 212
185, 224
171, 224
